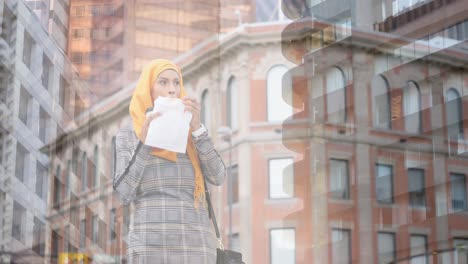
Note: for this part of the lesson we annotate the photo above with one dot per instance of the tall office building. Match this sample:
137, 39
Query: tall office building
41, 99
110, 41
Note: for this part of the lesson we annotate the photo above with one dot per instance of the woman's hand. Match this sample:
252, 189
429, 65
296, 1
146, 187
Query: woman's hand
144, 128
193, 106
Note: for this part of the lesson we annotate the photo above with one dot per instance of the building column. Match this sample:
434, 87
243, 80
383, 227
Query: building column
363, 72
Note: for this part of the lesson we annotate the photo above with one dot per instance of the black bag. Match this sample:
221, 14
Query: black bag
228, 257
223, 256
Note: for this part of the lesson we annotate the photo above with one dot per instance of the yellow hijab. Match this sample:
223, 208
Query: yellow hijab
141, 101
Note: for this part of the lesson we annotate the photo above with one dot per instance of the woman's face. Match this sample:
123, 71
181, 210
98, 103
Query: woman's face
167, 84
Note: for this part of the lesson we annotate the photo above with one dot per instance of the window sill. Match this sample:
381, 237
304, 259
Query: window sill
460, 211
275, 201
399, 133
418, 208
262, 124
341, 201
385, 205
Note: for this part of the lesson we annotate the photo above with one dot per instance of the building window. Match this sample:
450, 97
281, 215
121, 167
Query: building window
102, 237
83, 233
205, 114
57, 187
412, 107
79, 10
96, 178
94, 10
74, 211
18, 229
231, 103
384, 183
112, 220
78, 33
453, 114
234, 180
108, 9
402, 6
56, 241
458, 184
41, 181
380, 102
416, 187
282, 246
461, 250
25, 106
77, 57
39, 237
336, 95
47, 70
277, 108
161, 40
267, 11
84, 172
76, 161
28, 49
94, 229
67, 178
386, 247
339, 179
21, 161
43, 124
66, 238
7, 27
281, 178
63, 88
343, 28
341, 246
418, 249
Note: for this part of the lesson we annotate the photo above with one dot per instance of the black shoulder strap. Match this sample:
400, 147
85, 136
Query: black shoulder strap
210, 209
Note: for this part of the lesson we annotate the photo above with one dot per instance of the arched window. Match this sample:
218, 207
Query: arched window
412, 107
453, 114
205, 114
336, 95
380, 102
232, 103
96, 166
277, 108
84, 172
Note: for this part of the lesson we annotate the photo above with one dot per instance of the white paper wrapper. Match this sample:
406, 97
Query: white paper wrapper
170, 130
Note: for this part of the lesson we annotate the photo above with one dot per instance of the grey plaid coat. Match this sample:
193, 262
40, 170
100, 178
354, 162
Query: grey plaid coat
166, 227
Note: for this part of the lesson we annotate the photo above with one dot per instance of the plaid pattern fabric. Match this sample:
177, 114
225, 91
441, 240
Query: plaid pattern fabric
166, 227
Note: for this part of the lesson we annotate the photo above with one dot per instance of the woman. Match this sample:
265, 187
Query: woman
170, 221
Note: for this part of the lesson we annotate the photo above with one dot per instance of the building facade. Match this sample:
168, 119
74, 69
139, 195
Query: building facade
348, 140
41, 99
